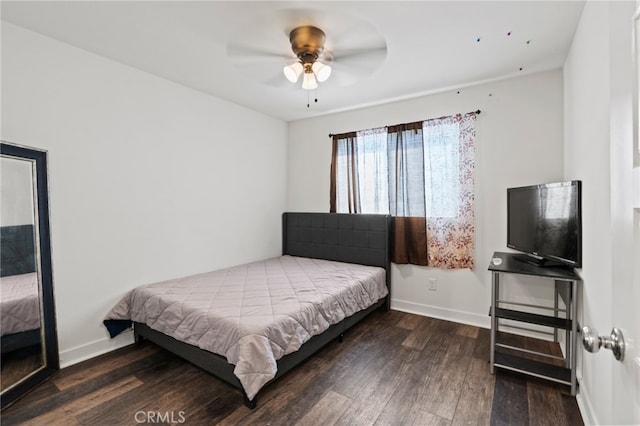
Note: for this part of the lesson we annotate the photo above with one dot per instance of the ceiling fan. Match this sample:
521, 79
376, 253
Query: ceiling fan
313, 43
307, 43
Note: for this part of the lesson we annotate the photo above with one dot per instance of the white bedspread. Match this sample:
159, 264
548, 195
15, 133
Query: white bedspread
256, 313
19, 303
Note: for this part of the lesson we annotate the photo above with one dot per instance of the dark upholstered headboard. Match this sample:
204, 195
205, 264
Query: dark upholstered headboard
17, 250
354, 238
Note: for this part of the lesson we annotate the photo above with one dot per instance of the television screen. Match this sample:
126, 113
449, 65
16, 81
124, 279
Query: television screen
544, 221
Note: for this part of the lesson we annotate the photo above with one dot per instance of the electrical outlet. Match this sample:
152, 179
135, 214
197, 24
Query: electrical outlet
433, 284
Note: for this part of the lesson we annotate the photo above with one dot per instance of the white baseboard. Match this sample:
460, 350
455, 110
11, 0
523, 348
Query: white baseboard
482, 321
93, 349
467, 318
586, 408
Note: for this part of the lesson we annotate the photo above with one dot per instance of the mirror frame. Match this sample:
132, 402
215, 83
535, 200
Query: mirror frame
43, 261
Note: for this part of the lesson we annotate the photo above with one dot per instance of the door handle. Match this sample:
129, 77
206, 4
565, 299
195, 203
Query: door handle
592, 342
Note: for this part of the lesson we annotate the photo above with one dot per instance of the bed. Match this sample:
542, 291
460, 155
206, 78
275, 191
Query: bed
333, 272
19, 293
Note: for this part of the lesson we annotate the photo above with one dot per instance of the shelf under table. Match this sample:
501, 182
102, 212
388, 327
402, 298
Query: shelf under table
549, 321
533, 368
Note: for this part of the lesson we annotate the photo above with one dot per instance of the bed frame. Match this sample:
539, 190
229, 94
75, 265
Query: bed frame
18, 257
23, 339
353, 238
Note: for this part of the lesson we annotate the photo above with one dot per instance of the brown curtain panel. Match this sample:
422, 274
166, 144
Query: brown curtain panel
344, 165
405, 149
409, 243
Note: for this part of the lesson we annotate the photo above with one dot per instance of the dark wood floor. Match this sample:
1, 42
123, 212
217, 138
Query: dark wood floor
392, 369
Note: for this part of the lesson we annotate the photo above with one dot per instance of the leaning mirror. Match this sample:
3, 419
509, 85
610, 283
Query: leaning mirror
28, 340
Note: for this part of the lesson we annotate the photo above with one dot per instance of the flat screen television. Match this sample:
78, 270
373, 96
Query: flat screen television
544, 222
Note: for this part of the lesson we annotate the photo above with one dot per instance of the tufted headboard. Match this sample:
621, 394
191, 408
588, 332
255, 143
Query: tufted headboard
17, 250
354, 238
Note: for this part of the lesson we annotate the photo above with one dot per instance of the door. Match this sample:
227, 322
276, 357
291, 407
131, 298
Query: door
625, 207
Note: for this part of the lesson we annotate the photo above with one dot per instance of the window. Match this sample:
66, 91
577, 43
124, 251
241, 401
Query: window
420, 173
369, 150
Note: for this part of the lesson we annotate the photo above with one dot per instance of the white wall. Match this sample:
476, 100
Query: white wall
519, 142
597, 84
148, 180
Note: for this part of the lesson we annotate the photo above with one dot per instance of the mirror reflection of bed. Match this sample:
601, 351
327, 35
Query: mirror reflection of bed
21, 340
20, 319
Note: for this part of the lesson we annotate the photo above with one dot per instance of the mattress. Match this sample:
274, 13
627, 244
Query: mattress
256, 313
19, 303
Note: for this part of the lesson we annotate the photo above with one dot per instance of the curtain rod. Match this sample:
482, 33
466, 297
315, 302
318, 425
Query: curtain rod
476, 111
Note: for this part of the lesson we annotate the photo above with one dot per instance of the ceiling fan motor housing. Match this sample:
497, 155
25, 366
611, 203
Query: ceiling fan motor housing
307, 42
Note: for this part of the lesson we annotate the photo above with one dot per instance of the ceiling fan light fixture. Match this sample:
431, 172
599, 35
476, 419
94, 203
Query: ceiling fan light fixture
307, 43
309, 82
321, 71
292, 72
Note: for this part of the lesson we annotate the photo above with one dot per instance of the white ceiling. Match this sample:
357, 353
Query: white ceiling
431, 45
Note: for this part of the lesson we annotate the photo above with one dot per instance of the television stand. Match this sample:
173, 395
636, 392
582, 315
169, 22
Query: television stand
519, 359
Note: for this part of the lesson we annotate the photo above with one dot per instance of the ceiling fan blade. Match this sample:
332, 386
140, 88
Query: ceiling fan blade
278, 80
352, 65
263, 72
352, 69
246, 54
344, 78
372, 55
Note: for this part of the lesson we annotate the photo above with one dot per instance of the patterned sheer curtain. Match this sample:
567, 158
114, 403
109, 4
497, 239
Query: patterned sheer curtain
449, 181
420, 173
